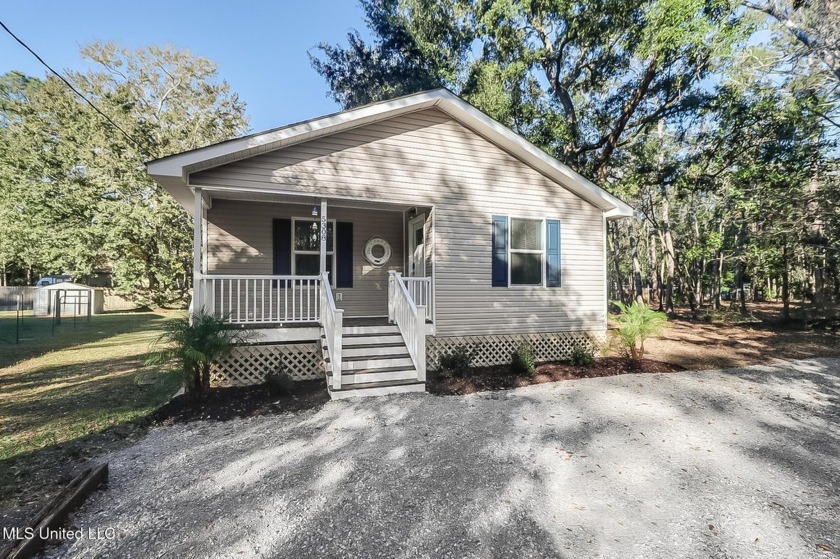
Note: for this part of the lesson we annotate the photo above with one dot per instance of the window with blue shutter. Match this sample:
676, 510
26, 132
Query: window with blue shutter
552, 253
500, 251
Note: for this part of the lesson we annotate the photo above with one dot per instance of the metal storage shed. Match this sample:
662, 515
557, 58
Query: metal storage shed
70, 299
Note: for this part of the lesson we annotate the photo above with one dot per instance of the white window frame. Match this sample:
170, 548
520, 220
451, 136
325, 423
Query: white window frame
330, 253
511, 250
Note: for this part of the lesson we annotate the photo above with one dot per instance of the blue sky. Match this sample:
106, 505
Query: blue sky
260, 46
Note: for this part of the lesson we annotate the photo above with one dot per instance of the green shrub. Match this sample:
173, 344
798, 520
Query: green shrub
583, 356
456, 363
522, 361
636, 323
196, 344
279, 382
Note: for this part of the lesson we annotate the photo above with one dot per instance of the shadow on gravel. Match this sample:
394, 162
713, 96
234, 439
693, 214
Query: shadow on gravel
685, 464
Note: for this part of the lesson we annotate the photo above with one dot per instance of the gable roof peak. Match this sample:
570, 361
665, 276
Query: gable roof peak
172, 172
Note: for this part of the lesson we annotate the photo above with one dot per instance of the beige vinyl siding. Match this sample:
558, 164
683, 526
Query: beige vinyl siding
239, 236
425, 158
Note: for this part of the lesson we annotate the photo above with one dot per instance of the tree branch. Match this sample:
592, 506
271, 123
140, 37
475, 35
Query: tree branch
813, 43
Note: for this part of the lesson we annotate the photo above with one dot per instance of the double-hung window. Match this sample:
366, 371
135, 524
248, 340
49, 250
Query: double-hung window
527, 251
306, 247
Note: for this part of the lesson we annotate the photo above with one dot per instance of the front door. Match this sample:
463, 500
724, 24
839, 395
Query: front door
417, 247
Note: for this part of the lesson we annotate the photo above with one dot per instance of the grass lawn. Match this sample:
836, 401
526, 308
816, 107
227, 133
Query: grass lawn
70, 394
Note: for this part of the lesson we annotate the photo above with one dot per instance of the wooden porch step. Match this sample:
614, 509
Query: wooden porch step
395, 343
368, 330
382, 374
388, 334
378, 362
372, 350
363, 339
375, 388
377, 370
356, 358
348, 344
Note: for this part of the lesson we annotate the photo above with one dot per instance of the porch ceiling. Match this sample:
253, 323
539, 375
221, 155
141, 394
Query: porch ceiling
278, 198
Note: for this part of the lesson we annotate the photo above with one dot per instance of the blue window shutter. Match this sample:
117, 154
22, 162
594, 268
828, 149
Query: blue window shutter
282, 247
500, 251
552, 253
344, 254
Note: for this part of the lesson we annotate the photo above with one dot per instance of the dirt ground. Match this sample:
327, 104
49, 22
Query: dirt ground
727, 341
224, 404
698, 345
500, 377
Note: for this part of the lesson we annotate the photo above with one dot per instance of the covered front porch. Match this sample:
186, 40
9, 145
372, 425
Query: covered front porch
355, 275
260, 258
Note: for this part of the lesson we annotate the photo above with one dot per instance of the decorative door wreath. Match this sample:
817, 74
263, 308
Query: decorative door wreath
377, 251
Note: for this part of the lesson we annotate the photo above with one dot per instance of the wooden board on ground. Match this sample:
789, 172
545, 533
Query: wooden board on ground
54, 514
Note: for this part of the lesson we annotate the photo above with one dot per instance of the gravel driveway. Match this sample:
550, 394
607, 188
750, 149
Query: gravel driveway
733, 463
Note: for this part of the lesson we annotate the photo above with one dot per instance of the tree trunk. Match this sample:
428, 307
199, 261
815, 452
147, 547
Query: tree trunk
670, 265
661, 307
740, 266
698, 284
655, 284
616, 258
637, 270
739, 288
688, 292
665, 233
817, 237
718, 283
785, 282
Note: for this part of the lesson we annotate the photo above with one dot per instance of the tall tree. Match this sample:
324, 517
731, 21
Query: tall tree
82, 182
581, 79
418, 45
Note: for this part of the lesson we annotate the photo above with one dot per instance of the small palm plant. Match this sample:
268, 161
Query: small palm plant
637, 322
196, 344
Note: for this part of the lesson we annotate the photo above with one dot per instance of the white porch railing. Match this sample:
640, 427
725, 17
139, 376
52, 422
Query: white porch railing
411, 320
333, 322
420, 290
261, 299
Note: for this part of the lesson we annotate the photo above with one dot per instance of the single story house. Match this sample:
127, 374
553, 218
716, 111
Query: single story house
364, 244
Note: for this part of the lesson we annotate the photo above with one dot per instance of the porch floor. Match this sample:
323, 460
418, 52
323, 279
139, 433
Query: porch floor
348, 322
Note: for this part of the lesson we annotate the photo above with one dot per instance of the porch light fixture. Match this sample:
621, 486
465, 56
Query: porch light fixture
314, 208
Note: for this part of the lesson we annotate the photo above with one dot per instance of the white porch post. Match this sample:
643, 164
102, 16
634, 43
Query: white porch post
323, 248
197, 236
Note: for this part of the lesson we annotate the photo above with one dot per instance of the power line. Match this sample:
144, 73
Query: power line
76, 91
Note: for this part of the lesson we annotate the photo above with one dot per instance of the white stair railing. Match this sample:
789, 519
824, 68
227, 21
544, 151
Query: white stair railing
332, 320
420, 290
410, 319
254, 299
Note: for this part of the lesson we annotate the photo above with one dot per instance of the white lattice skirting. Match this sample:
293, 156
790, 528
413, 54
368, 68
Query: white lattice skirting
496, 350
249, 364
